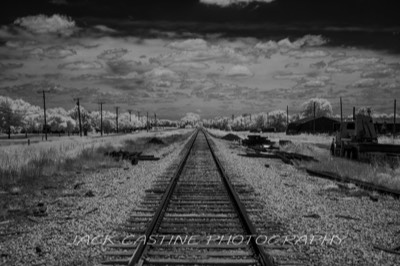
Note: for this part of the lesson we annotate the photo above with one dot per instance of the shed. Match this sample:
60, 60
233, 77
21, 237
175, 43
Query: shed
323, 124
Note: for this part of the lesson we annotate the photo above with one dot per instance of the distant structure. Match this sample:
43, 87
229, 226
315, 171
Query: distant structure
318, 125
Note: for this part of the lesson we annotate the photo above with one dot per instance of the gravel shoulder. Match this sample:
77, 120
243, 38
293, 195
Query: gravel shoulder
80, 215
351, 220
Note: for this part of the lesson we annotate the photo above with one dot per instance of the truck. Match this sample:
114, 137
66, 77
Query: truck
358, 140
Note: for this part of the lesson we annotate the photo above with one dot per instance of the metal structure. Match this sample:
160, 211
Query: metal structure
358, 140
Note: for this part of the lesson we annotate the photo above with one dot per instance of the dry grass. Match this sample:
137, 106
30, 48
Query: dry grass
22, 164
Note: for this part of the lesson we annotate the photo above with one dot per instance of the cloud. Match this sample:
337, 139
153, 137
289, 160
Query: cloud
239, 71
294, 64
55, 52
41, 24
365, 83
225, 3
285, 45
163, 73
318, 65
189, 45
6, 66
20, 43
81, 65
353, 63
188, 65
381, 73
103, 28
218, 53
113, 54
290, 75
308, 54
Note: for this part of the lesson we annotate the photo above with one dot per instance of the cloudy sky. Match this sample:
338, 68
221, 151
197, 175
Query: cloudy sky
212, 57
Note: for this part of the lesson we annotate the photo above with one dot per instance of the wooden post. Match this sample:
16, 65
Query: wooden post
314, 119
287, 115
394, 119
44, 110
116, 111
341, 111
79, 117
101, 118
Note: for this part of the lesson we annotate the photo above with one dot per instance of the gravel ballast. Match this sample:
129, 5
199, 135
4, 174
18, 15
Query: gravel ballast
81, 216
352, 221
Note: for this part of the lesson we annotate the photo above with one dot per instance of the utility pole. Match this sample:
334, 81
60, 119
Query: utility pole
287, 115
394, 119
354, 113
147, 122
341, 111
130, 115
314, 120
155, 120
116, 119
101, 118
79, 116
44, 113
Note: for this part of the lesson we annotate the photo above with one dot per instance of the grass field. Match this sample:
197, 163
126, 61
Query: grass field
22, 164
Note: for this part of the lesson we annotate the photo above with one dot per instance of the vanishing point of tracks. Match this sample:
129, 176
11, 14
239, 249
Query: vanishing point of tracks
193, 218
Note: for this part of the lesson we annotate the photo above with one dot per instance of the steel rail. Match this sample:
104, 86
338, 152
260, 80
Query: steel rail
265, 259
157, 218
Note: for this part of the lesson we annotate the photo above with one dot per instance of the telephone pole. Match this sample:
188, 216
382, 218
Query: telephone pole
341, 110
101, 118
130, 115
394, 119
44, 113
147, 122
314, 120
79, 116
116, 119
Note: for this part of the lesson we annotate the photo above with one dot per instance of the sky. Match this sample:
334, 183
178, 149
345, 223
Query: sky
211, 57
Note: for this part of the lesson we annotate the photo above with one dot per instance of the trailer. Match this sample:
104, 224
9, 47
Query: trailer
358, 140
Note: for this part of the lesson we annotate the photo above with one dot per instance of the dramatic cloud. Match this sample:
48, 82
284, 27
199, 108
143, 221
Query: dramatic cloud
189, 45
43, 24
188, 65
6, 66
21, 43
224, 3
163, 73
239, 71
55, 52
351, 64
218, 53
308, 54
381, 73
318, 65
285, 45
113, 54
81, 65
290, 76
365, 83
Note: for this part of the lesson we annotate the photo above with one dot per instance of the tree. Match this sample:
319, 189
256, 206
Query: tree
190, 118
9, 118
277, 119
322, 108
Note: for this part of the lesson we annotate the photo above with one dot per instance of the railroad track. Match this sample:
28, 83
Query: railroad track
195, 217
